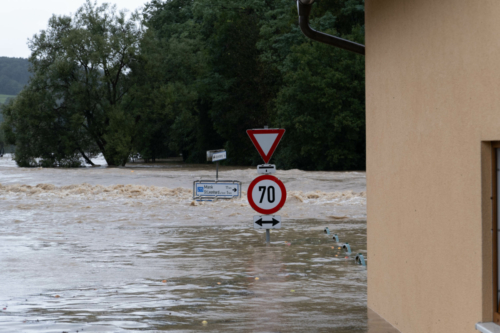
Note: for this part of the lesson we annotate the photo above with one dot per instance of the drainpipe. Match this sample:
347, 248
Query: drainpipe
304, 8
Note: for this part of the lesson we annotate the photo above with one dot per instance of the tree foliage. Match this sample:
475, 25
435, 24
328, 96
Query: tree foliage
77, 99
321, 101
258, 69
199, 75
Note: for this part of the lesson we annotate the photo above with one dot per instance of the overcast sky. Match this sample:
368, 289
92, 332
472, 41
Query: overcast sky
21, 19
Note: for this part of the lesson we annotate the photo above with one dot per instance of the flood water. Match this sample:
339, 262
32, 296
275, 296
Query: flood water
128, 250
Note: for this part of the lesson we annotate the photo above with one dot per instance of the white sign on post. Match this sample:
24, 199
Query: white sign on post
209, 190
219, 156
266, 194
266, 169
216, 155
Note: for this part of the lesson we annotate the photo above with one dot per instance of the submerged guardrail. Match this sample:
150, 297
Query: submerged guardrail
359, 259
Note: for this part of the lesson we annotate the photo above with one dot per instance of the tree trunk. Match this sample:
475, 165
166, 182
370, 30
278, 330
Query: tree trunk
110, 161
86, 158
124, 161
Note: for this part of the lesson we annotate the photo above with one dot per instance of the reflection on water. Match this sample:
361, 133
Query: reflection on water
111, 250
226, 276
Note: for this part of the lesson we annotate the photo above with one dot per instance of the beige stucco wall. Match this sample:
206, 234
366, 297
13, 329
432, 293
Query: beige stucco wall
433, 103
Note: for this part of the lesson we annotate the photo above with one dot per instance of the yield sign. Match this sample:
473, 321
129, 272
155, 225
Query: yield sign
266, 141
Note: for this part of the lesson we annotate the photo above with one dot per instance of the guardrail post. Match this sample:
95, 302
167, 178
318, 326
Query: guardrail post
360, 259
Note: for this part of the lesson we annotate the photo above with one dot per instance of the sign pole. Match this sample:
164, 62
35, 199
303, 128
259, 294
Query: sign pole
214, 189
266, 194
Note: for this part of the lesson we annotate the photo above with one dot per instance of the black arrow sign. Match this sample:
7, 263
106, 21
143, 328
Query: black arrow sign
260, 222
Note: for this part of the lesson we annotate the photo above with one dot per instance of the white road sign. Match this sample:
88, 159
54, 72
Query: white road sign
266, 194
219, 189
219, 156
266, 169
266, 140
267, 222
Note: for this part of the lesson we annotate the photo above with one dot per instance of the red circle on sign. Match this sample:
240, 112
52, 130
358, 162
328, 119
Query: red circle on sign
280, 203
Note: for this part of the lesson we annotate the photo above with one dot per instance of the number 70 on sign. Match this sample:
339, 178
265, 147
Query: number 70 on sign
266, 194
271, 194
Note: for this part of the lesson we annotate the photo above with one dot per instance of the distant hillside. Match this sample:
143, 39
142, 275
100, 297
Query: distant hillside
13, 75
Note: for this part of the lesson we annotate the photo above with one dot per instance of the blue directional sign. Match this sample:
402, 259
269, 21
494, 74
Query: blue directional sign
216, 189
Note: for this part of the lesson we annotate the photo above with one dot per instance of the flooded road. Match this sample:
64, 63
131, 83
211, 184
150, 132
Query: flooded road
126, 249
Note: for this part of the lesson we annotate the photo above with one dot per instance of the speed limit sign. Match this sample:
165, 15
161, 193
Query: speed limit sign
266, 194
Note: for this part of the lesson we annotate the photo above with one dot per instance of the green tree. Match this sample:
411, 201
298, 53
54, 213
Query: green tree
240, 87
258, 69
44, 136
209, 50
171, 64
79, 88
202, 73
321, 101
2, 140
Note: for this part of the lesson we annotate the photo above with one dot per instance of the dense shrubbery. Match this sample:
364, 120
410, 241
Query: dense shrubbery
195, 78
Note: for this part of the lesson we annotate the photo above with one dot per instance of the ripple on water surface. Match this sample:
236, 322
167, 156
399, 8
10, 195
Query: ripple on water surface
126, 249
181, 277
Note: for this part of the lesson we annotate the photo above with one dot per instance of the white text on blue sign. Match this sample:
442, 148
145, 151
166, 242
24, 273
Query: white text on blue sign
219, 189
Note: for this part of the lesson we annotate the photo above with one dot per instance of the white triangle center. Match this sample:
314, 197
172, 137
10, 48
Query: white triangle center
266, 141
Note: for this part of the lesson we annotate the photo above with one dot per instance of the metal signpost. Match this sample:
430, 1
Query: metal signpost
266, 194
267, 222
208, 190
216, 156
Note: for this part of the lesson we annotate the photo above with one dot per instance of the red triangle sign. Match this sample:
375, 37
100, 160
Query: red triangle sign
266, 141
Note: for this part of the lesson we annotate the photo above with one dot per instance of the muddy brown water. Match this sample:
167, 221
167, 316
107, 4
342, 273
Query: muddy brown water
127, 250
